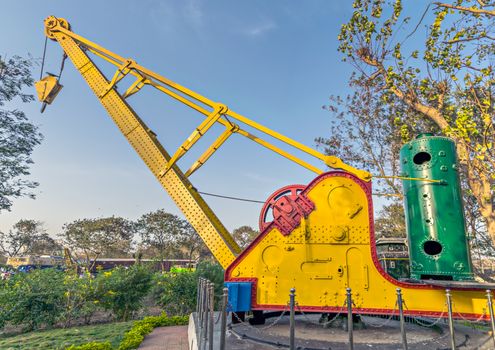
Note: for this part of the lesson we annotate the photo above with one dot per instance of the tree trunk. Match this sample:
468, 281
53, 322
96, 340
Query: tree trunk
478, 181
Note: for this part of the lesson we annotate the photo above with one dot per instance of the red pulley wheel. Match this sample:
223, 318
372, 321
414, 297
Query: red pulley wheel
291, 191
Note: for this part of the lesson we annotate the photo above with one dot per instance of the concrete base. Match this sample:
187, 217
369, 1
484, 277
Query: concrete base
191, 333
196, 335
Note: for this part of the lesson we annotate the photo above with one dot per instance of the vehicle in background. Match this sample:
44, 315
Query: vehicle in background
28, 262
104, 264
393, 256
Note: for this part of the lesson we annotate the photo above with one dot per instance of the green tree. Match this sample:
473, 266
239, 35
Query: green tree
191, 243
162, 232
18, 135
447, 83
391, 221
27, 237
93, 238
244, 235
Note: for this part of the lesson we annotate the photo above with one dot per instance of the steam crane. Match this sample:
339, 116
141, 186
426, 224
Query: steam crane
321, 239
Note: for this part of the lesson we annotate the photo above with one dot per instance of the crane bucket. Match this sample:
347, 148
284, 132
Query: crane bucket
47, 89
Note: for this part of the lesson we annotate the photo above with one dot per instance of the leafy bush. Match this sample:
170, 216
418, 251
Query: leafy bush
123, 290
82, 296
176, 292
91, 346
32, 299
213, 272
135, 336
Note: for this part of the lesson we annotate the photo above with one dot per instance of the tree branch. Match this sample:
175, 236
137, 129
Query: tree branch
455, 41
467, 9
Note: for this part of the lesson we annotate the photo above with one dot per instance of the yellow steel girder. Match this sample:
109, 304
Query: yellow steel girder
144, 141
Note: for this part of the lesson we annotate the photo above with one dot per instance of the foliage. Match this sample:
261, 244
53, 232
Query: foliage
213, 272
19, 136
161, 231
244, 235
62, 338
446, 83
27, 237
32, 299
166, 235
191, 243
135, 336
92, 238
92, 346
123, 290
391, 221
176, 292
46, 296
82, 295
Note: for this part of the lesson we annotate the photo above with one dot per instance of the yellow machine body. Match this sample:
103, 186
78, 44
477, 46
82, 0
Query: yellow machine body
330, 249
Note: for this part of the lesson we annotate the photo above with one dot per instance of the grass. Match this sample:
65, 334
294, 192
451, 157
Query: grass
58, 339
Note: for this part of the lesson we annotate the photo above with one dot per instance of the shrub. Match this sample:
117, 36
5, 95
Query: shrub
81, 297
32, 299
91, 346
123, 290
176, 292
135, 336
213, 272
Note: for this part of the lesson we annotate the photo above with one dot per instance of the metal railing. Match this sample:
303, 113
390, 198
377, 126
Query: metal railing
205, 313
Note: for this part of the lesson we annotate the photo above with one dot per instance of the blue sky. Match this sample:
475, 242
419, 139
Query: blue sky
273, 61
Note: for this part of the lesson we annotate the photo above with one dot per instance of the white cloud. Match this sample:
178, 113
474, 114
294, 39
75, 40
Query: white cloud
260, 28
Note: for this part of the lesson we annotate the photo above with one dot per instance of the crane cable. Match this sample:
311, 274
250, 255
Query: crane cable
229, 197
43, 60
374, 194
64, 57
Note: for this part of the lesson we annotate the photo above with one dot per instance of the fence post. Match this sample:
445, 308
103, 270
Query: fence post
205, 312
292, 296
401, 317
201, 312
211, 326
223, 326
492, 317
349, 319
451, 319
198, 297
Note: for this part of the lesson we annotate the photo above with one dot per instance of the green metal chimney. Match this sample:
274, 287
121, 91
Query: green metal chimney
438, 245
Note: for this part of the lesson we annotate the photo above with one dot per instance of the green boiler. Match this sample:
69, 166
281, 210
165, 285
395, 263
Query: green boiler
436, 228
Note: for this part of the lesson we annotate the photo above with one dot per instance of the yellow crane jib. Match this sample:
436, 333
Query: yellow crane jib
321, 239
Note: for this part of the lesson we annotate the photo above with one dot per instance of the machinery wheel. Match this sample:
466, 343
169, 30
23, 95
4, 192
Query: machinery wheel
258, 318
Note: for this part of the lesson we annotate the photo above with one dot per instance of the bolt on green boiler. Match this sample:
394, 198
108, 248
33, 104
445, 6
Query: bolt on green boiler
436, 228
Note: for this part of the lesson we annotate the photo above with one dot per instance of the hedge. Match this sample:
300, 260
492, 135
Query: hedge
135, 336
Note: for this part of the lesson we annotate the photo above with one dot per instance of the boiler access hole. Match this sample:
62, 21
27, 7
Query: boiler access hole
432, 247
421, 158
